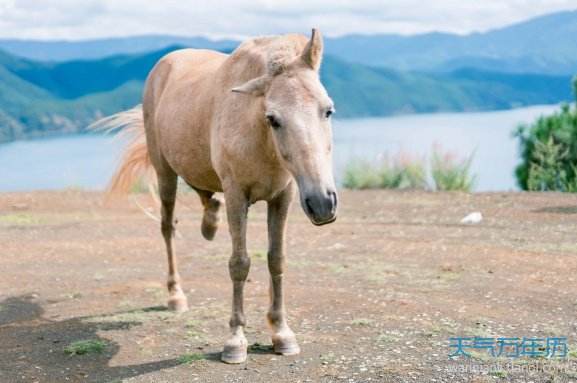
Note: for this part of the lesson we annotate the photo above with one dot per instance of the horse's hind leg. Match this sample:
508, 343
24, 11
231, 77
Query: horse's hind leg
167, 184
210, 218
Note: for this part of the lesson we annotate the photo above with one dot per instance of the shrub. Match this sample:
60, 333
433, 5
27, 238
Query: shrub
412, 172
549, 151
450, 173
406, 172
361, 174
402, 172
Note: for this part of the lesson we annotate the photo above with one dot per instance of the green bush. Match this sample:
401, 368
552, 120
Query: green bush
549, 151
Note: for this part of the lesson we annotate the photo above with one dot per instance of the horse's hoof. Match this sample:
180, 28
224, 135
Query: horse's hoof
208, 230
235, 351
178, 303
286, 344
210, 219
235, 356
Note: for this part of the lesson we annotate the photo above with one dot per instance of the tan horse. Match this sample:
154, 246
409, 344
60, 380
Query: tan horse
250, 125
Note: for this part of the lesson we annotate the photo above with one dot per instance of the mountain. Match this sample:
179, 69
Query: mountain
363, 91
100, 48
43, 98
544, 45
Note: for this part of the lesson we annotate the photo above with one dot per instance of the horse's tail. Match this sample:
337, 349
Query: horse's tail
135, 164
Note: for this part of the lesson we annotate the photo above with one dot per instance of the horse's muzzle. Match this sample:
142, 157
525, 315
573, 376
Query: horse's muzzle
321, 208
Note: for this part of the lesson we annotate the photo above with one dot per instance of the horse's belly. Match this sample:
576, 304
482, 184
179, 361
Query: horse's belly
203, 179
192, 163
186, 148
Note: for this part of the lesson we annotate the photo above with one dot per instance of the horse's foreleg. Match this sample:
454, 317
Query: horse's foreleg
167, 184
235, 348
283, 339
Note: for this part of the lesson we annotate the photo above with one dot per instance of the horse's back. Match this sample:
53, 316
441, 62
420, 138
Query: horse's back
177, 114
179, 68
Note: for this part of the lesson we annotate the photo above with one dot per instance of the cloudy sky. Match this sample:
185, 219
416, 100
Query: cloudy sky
81, 19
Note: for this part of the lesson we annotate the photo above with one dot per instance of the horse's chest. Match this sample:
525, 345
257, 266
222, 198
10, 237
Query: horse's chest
266, 189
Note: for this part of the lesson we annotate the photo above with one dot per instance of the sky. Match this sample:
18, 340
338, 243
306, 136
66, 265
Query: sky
86, 19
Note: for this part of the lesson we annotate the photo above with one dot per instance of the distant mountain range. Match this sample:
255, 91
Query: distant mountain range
58, 87
545, 44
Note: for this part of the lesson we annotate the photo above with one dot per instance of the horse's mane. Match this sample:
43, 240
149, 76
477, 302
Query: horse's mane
272, 54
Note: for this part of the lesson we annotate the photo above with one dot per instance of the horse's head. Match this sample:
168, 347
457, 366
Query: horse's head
297, 111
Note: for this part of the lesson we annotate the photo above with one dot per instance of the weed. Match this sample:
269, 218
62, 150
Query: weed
21, 219
258, 348
402, 171
450, 173
190, 357
82, 347
499, 374
328, 358
361, 322
260, 255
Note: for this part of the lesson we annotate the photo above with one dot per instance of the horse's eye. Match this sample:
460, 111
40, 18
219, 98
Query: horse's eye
273, 121
329, 113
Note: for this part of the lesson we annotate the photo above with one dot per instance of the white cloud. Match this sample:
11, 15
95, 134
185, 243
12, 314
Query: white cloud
74, 19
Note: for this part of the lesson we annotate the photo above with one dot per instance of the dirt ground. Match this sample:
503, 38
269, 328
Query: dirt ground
373, 297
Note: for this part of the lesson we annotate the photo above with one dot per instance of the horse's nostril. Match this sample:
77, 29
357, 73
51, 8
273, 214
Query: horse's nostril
309, 206
333, 197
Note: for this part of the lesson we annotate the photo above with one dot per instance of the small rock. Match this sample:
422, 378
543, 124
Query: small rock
474, 217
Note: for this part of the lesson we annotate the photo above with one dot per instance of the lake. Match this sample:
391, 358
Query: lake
87, 161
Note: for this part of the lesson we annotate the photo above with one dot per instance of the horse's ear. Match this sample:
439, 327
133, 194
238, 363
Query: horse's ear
255, 87
313, 52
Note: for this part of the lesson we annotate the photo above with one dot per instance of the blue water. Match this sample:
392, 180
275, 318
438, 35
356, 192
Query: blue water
88, 161
78, 161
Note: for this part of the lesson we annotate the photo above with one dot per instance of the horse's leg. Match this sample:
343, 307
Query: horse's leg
167, 184
235, 348
283, 339
210, 218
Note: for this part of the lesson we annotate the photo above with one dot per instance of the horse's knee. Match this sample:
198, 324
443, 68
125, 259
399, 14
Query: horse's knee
238, 266
275, 264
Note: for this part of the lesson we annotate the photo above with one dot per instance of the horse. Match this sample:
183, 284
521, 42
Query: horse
254, 125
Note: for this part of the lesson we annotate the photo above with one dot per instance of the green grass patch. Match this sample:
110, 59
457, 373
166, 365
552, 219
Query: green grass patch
21, 219
83, 347
329, 358
499, 374
191, 357
260, 255
361, 322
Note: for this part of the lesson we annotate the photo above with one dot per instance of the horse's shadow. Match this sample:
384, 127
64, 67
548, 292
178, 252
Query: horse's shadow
32, 347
